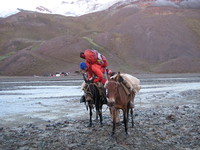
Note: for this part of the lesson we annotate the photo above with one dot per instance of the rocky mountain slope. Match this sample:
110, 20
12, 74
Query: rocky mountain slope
134, 39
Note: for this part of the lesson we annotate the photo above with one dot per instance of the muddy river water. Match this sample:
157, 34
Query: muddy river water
54, 98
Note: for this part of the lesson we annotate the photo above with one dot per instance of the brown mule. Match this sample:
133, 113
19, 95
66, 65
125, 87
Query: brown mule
119, 99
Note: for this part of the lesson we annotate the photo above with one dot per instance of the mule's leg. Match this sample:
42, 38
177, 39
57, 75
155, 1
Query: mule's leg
100, 114
117, 116
132, 121
114, 111
128, 110
125, 120
90, 116
97, 113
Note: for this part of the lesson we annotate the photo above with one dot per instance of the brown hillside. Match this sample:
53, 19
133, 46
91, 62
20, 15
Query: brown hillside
134, 40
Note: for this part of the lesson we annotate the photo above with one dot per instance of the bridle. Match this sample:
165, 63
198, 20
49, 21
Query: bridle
87, 89
113, 83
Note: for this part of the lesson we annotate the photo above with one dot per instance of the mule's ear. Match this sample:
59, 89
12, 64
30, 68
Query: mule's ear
117, 77
92, 81
108, 77
120, 78
84, 77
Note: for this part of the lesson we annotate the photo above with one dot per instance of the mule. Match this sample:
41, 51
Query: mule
119, 99
93, 99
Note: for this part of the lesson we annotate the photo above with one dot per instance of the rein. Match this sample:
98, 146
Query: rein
102, 111
88, 91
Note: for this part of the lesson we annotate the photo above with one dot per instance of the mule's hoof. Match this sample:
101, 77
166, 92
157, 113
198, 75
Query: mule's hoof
89, 125
118, 123
126, 133
112, 134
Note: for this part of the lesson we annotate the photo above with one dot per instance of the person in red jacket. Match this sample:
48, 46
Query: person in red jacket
94, 60
96, 65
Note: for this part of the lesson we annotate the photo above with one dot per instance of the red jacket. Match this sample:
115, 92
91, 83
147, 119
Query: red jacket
96, 71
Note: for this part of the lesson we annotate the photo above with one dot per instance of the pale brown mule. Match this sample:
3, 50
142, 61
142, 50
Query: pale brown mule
119, 99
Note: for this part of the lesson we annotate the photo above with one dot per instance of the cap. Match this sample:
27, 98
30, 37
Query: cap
83, 65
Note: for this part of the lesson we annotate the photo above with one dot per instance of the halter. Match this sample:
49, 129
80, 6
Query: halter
87, 89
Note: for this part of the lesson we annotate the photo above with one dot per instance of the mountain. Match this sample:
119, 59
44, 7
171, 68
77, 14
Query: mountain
135, 37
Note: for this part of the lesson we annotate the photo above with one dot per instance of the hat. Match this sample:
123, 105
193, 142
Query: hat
83, 65
82, 55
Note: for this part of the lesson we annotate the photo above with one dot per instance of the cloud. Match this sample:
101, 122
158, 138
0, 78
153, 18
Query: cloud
191, 3
165, 3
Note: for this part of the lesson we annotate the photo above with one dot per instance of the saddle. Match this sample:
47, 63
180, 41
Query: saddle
125, 85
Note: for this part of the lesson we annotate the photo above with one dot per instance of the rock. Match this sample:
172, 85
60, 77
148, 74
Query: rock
177, 107
170, 117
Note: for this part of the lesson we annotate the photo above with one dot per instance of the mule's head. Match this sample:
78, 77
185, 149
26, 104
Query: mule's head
112, 92
88, 88
88, 92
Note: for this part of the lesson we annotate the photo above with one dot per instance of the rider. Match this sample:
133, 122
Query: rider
95, 71
96, 64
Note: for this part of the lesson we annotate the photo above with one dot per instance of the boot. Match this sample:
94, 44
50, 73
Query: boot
82, 99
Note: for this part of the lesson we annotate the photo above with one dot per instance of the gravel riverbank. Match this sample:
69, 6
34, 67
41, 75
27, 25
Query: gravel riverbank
164, 118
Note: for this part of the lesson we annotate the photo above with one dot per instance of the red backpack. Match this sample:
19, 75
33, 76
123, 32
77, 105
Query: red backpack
91, 56
94, 57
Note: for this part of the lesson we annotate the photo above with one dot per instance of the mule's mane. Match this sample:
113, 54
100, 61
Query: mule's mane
113, 82
110, 81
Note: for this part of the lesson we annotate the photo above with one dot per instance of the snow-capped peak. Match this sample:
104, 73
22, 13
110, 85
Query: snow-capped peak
80, 7
63, 7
